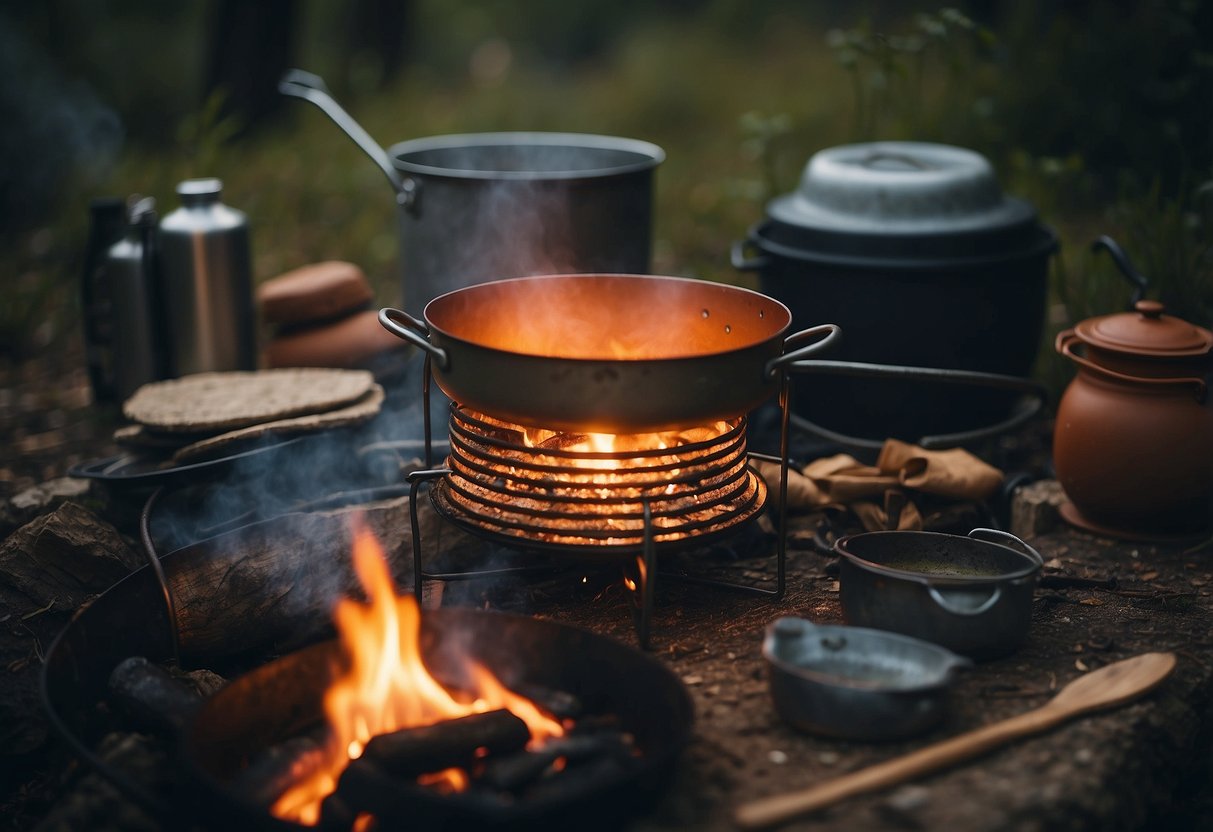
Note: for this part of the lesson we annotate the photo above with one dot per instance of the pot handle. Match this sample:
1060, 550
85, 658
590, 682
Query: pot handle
1003, 539
780, 362
312, 88
416, 332
857, 369
742, 261
941, 598
1065, 345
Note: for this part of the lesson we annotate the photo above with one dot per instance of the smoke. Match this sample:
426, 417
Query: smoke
56, 130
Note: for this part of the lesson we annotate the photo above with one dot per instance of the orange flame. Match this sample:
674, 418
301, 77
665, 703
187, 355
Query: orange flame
387, 687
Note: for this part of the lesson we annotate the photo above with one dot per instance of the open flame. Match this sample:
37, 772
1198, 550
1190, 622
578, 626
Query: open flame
387, 686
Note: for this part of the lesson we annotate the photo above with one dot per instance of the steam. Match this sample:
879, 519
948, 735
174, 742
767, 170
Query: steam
56, 128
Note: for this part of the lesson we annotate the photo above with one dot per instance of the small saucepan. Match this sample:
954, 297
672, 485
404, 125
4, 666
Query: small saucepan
855, 683
970, 594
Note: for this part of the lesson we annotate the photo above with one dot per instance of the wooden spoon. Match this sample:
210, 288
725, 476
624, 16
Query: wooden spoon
1107, 687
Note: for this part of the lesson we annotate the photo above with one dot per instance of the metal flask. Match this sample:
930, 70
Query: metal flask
130, 274
206, 264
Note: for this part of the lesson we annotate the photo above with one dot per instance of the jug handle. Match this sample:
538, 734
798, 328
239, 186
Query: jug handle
1130, 272
1065, 346
312, 88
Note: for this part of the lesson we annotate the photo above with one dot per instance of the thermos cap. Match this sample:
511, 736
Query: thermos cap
196, 191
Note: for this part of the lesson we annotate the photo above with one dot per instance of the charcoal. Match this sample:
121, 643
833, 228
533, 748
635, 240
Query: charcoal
560, 704
581, 782
335, 814
453, 742
513, 772
396, 801
596, 724
151, 698
277, 767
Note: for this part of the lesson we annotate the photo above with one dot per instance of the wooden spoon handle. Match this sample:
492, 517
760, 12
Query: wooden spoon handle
772, 810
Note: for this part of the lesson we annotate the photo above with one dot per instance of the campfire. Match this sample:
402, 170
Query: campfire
385, 690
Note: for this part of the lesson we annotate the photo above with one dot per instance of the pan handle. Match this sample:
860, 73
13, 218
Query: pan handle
416, 332
312, 88
941, 597
777, 364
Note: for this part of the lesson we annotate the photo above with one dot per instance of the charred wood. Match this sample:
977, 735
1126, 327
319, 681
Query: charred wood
560, 704
278, 767
515, 772
151, 698
453, 742
365, 787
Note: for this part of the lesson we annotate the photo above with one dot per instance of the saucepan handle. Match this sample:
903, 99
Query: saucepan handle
312, 88
416, 332
793, 353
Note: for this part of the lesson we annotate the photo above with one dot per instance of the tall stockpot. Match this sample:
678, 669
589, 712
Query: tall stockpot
485, 206
923, 261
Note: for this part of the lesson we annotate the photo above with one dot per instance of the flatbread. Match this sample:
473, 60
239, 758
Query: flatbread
212, 402
360, 411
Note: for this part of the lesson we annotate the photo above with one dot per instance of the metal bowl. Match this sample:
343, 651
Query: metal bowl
854, 683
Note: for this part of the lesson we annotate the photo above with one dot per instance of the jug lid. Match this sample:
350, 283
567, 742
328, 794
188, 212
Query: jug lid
1146, 331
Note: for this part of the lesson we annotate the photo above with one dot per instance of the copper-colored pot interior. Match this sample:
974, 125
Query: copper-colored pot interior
608, 317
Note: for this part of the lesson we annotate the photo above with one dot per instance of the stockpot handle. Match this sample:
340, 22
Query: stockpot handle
1065, 345
1028, 387
416, 332
781, 362
742, 261
312, 88
1003, 539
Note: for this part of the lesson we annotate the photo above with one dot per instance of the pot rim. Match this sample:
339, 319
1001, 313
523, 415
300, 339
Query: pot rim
649, 155
777, 332
1045, 243
927, 579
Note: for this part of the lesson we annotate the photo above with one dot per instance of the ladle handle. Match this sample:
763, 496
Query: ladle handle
403, 325
773, 810
312, 88
1065, 346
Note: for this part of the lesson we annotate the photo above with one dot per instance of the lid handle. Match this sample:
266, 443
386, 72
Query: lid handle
1139, 281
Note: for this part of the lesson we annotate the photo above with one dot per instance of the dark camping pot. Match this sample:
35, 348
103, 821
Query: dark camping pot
972, 595
923, 261
484, 206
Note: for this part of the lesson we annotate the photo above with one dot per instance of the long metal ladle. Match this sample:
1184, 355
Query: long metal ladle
1110, 686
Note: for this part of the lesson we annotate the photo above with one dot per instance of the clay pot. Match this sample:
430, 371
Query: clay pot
1133, 443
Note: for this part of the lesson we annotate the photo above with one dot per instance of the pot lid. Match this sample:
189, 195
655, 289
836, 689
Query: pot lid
1146, 331
901, 199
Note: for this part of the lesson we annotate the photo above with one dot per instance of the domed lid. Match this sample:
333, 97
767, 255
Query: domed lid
901, 199
1146, 331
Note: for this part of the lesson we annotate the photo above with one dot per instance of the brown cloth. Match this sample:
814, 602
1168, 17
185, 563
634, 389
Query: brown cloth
876, 494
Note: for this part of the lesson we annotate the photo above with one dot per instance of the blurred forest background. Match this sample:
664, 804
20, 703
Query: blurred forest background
1100, 114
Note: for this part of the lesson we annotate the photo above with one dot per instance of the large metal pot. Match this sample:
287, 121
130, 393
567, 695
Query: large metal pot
918, 255
613, 353
486, 206
969, 594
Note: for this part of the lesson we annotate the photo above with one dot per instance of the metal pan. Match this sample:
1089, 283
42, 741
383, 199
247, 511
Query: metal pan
611, 353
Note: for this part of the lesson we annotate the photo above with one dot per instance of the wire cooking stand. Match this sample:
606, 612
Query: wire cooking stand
646, 573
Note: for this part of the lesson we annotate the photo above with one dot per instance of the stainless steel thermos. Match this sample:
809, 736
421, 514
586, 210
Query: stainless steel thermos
206, 269
169, 299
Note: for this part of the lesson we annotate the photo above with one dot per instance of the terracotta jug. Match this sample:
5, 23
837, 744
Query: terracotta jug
1133, 443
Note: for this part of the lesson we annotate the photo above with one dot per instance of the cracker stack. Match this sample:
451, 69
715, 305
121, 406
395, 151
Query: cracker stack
208, 415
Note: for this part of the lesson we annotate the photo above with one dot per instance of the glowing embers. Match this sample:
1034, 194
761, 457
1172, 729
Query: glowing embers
559, 489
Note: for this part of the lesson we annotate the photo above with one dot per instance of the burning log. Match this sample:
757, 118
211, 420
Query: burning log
277, 768
397, 802
452, 743
560, 704
151, 697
